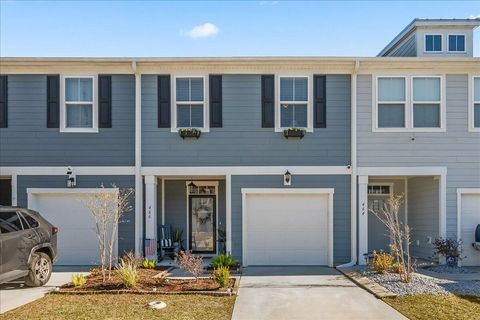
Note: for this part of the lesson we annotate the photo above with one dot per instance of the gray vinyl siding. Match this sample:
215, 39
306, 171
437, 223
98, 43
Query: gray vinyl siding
423, 214
176, 206
407, 49
242, 140
126, 230
341, 207
28, 142
457, 149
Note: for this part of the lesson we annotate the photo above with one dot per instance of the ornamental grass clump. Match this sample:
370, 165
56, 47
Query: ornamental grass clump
381, 262
149, 264
224, 260
221, 275
78, 279
190, 263
127, 271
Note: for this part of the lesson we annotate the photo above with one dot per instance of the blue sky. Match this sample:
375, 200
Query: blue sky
250, 28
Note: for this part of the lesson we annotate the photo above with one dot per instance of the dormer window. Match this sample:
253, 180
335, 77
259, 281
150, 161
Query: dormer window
456, 43
433, 43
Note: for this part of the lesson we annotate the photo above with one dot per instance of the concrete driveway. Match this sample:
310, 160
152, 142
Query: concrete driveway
14, 294
305, 293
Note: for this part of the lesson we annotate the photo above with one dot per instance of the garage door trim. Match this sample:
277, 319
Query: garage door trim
460, 192
317, 191
32, 193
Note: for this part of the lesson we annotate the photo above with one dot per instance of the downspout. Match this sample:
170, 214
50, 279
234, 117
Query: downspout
353, 179
138, 163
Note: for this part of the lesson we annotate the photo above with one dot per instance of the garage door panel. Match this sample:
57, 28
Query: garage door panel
286, 229
470, 218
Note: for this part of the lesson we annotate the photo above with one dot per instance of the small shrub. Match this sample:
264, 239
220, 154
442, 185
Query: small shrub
381, 262
224, 260
149, 264
190, 263
221, 275
397, 268
78, 279
127, 271
450, 249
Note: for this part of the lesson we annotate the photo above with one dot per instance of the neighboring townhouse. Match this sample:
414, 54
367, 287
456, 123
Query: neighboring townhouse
372, 127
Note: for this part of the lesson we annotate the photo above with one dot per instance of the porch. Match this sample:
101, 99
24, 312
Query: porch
190, 211
422, 209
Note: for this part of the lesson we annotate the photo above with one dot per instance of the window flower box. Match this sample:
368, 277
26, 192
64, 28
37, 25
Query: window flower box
189, 133
294, 133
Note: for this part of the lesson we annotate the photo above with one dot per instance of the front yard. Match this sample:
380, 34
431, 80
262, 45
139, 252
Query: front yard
125, 306
426, 307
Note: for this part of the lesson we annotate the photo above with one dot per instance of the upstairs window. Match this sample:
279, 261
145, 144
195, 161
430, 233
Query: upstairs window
475, 105
433, 43
294, 105
190, 104
78, 110
426, 102
391, 102
456, 43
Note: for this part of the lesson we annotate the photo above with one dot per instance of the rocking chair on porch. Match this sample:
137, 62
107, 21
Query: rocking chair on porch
165, 241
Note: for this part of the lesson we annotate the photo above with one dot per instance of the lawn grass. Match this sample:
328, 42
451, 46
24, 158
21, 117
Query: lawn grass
423, 307
125, 306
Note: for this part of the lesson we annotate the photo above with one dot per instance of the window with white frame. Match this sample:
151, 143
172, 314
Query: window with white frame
426, 102
78, 104
433, 43
392, 99
190, 102
294, 102
476, 103
456, 43
412, 103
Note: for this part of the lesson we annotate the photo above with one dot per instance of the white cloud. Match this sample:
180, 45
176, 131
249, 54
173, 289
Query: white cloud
475, 16
202, 31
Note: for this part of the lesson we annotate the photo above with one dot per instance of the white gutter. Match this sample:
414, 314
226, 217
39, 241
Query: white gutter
353, 179
138, 163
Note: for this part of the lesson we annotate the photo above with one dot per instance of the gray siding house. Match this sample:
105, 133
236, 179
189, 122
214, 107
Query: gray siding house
282, 155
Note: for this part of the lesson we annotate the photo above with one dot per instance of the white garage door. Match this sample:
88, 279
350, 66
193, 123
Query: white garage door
286, 229
470, 217
77, 242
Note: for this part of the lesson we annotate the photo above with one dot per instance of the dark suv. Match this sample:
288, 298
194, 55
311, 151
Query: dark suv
28, 246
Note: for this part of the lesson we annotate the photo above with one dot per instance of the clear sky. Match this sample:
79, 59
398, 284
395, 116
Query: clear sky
250, 28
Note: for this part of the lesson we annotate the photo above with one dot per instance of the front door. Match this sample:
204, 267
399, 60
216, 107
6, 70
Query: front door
202, 223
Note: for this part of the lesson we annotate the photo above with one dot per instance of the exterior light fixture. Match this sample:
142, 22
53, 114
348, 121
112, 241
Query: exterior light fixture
192, 187
71, 178
287, 178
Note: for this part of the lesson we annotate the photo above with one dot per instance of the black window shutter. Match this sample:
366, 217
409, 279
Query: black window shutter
53, 101
320, 101
3, 102
164, 101
216, 118
268, 101
104, 101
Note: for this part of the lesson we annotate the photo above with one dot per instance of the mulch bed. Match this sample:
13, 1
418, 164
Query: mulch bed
149, 280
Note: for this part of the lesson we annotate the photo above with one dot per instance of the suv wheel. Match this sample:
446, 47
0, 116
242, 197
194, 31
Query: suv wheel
40, 270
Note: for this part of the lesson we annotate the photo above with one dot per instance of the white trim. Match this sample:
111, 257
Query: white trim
63, 105
425, 43
14, 184
138, 166
202, 183
163, 201
353, 177
228, 213
447, 43
62, 170
409, 103
205, 102
405, 187
362, 218
328, 191
471, 103
402, 171
309, 102
246, 170
460, 193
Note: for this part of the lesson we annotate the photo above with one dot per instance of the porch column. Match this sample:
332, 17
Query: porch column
362, 218
151, 212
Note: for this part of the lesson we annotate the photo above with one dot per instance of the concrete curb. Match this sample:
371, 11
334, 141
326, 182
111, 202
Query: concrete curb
371, 286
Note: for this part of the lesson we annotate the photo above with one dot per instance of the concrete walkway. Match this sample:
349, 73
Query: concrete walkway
15, 294
305, 293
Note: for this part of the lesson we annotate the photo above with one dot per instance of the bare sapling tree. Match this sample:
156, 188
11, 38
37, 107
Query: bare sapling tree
108, 206
400, 234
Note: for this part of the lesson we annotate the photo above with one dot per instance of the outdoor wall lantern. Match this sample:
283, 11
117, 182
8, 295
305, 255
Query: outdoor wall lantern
192, 187
287, 178
71, 178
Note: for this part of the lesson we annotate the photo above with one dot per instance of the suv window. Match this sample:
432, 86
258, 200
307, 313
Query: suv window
32, 223
9, 222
